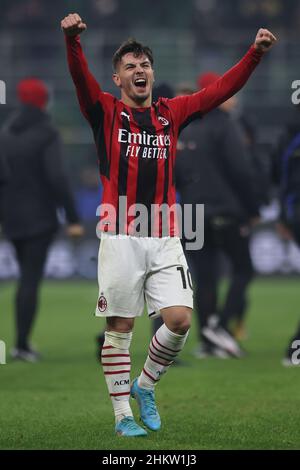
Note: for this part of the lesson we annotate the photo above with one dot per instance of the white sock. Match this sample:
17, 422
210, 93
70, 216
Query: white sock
163, 349
115, 359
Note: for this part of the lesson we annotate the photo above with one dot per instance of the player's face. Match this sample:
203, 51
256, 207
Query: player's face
135, 78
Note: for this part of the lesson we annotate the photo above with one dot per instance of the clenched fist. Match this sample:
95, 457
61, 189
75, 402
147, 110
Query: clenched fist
73, 25
264, 40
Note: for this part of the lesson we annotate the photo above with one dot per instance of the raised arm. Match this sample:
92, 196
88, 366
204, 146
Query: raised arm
187, 108
87, 88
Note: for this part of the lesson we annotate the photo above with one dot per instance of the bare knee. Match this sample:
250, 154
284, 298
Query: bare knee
177, 319
119, 324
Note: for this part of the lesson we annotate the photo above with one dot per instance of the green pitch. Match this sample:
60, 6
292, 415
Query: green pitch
61, 403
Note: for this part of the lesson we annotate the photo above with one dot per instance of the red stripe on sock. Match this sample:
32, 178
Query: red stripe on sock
112, 372
166, 354
116, 363
172, 350
115, 355
157, 362
168, 360
119, 394
152, 352
107, 347
150, 376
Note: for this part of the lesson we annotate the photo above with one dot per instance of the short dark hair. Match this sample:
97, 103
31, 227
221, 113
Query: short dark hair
131, 45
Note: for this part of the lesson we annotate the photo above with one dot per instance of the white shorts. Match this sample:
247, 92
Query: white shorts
133, 271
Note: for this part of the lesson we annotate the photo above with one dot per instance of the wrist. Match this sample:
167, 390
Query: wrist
257, 50
73, 38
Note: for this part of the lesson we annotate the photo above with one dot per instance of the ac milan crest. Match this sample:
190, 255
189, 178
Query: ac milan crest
163, 120
102, 303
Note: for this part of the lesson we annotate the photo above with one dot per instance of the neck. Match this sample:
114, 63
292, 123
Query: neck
136, 103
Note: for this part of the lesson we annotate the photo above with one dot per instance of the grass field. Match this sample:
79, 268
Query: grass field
61, 402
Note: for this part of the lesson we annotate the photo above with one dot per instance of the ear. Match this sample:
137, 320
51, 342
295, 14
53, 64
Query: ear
116, 80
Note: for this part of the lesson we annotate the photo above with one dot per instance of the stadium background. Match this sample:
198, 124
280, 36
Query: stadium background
246, 404
187, 38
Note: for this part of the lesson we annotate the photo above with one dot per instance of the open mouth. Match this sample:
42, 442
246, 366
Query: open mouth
140, 82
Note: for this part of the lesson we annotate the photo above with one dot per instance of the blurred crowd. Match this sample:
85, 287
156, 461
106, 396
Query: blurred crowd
207, 17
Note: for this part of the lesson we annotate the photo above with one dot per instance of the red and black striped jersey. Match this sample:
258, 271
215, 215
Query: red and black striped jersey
137, 146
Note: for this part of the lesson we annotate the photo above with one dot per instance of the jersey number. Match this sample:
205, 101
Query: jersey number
183, 278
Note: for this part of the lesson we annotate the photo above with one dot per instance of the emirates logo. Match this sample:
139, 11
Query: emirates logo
102, 304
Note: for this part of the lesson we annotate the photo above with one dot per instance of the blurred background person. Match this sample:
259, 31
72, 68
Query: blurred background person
185, 88
36, 186
3, 179
162, 90
286, 161
213, 169
3, 170
88, 191
260, 176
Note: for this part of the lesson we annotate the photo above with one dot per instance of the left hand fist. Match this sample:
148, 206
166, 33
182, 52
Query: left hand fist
264, 40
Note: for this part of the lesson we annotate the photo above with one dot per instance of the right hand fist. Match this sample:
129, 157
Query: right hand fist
73, 25
264, 40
